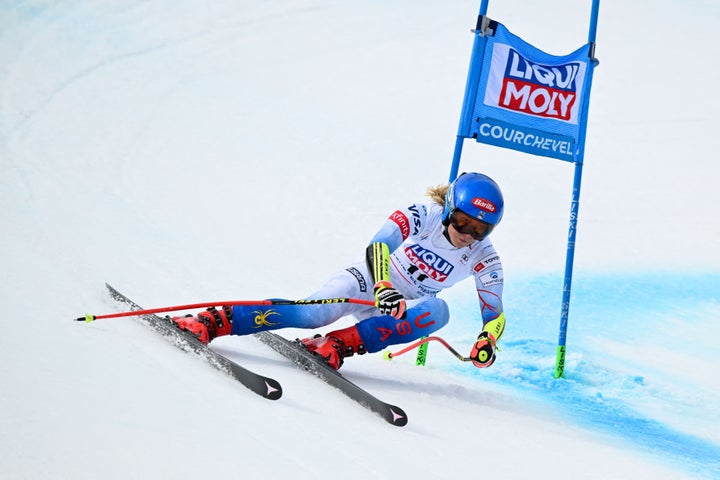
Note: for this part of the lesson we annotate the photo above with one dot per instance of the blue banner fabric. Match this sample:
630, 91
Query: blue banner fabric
526, 99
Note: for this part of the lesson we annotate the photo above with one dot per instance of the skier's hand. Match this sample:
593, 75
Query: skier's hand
483, 352
388, 300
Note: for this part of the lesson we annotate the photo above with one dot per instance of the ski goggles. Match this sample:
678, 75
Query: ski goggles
464, 223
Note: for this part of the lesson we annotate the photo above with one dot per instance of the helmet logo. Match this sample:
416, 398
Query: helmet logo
484, 204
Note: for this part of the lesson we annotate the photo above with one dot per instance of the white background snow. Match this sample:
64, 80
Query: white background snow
201, 151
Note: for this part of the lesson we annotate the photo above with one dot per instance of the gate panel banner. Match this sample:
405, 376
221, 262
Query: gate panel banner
526, 99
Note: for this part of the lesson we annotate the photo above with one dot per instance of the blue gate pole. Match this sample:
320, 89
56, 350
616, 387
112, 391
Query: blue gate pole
476, 58
567, 282
574, 205
456, 158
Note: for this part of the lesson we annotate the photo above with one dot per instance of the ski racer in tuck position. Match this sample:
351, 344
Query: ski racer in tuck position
419, 251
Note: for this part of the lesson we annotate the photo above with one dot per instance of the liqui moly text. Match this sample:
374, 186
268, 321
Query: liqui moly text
429, 262
531, 88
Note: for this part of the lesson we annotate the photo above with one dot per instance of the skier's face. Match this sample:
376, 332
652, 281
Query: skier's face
464, 229
459, 240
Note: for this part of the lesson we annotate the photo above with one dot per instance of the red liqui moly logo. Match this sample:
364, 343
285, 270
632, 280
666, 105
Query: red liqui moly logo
429, 262
521, 85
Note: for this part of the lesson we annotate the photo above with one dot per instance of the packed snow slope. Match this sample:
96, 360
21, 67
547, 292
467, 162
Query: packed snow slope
203, 151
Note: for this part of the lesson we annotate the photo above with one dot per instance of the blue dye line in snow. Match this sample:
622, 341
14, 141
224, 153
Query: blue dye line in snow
596, 394
580, 398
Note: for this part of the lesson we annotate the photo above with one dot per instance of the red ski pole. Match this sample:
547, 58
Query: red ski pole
423, 341
319, 301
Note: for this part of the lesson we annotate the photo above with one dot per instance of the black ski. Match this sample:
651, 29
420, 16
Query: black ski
302, 357
263, 386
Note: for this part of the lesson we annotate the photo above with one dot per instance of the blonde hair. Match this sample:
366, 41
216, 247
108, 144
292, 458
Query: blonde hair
437, 193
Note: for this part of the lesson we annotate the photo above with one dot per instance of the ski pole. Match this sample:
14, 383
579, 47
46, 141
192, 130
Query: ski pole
423, 341
313, 301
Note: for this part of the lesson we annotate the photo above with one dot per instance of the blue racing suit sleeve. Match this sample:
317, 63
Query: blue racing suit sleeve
389, 234
491, 307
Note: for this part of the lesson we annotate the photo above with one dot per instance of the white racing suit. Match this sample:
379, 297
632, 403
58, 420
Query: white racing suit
423, 262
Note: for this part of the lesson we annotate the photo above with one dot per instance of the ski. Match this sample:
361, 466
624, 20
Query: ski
264, 386
302, 357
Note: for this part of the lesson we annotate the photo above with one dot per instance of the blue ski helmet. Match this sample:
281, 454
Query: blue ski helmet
476, 195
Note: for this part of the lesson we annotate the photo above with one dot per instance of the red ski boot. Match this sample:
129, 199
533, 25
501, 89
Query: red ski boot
336, 346
208, 324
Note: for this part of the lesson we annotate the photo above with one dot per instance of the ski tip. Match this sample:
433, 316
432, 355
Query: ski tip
398, 417
274, 390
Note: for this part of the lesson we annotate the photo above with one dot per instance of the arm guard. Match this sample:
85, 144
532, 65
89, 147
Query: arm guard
377, 256
495, 327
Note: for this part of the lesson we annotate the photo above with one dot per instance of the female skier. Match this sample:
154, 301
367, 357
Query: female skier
419, 251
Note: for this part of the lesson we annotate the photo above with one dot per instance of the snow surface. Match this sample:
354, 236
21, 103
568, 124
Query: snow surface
199, 151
